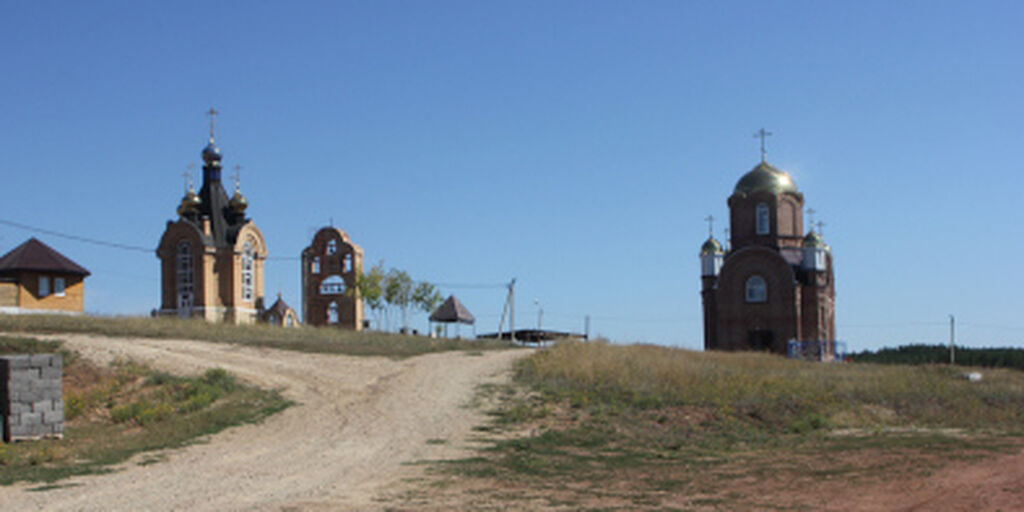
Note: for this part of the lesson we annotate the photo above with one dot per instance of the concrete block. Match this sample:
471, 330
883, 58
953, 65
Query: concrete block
57, 361
41, 360
30, 418
52, 372
30, 396
24, 375
53, 417
20, 407
44, 405
18, 362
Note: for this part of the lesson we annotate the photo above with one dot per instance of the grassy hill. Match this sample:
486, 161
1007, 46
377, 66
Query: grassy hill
646, 426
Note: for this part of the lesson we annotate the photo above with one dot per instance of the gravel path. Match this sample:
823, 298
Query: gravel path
360, 424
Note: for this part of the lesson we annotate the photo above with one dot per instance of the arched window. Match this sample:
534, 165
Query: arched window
332, 313
289, 321
185, 271
333, 285
316, 265
757, 290
332, 247
247, 264
346, 264
763, 219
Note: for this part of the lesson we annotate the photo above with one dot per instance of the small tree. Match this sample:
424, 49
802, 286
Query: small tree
398, 288
369, 286
426, 297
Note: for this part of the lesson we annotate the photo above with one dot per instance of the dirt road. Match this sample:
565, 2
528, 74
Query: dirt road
360, 425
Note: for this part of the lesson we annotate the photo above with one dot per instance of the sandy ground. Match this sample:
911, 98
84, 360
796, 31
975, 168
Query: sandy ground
361, 425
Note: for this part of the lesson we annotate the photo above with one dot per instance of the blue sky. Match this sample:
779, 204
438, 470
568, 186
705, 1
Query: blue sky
576, 146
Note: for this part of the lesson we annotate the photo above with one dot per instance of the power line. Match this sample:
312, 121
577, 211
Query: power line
88, 240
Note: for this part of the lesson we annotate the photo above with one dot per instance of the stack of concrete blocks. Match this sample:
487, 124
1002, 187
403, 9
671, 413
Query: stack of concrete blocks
31, 399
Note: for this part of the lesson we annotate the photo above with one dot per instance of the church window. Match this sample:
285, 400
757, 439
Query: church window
333, 285
44, 286
316, 265
288, 320
757, 290
347, 263
332, 247
58, 286
247, 264
332, 313
185, 276
763, 219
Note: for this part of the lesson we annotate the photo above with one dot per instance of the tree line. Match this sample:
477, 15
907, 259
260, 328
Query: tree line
939, 354
393, 293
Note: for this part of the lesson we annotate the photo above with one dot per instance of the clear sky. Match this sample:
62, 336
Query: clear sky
574, 145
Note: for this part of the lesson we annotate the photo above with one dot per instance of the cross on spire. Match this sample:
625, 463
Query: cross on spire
762, 134
188, 177
212, 114
810, 215
711, 223
238, 177
821, 232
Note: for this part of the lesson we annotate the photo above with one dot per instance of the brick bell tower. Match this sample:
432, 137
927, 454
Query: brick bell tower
772, 284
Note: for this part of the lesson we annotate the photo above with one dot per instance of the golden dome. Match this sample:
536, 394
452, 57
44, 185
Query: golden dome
711, 246
765, 178
190, 203
238, 202
813, 240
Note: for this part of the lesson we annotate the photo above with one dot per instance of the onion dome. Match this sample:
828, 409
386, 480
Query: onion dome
765, 178
814, 240
238, 202
711, 246
211, 154
190, 203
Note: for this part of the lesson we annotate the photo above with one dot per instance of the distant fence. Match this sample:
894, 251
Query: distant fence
817, 350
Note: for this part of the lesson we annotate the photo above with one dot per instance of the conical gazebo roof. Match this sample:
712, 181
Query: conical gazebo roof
452, 311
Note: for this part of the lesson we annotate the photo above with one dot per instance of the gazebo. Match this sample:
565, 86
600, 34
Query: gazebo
453, 312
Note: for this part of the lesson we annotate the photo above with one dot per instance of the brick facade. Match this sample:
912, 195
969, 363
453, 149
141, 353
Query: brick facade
212, 257
330, 266
769, 289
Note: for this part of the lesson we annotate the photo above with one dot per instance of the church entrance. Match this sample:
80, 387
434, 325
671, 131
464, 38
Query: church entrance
761, 340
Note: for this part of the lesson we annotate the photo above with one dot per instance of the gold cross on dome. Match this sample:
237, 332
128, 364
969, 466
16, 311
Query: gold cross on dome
238, 177
188, 177
212, 114
821, 232
762, 134
710, 220
810, 216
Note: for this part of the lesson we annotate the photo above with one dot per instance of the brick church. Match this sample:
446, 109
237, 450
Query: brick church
773, 284
212, 256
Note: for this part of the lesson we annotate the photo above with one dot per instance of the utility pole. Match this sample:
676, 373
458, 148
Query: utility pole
512, 310
586, 328
952, 340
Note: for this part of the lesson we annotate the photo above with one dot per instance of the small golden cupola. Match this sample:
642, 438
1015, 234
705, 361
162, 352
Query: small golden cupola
190, 203
238, 202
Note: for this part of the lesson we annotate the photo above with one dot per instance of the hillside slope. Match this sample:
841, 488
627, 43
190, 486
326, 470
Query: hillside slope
360, 424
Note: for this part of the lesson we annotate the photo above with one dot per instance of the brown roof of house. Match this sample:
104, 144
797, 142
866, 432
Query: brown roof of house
35, 256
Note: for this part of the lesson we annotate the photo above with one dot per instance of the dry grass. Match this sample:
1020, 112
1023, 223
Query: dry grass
776, 393
649, 428
306, 339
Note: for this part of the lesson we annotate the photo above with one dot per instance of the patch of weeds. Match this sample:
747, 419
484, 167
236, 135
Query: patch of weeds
437, 441
128, 409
